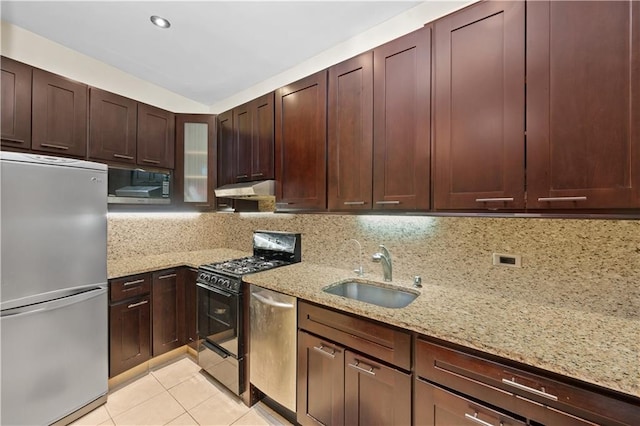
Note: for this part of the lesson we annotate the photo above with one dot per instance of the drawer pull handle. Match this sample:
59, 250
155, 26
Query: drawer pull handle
541, 393
356, 366
241, 176
320, 349
283, 203
387, 202
353, 203
164, 277
475, 419
549, 199
124, 157
11, 140
256, 174
128, 283
50, 145
144, 160
493, 200
133, 305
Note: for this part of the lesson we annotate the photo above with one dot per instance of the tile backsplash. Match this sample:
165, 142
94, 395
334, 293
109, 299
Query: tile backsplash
582, 264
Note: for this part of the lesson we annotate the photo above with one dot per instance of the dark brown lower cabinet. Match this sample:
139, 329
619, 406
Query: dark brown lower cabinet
374, 393
320, 381
190, 275
342, 378
168, 311
129, 334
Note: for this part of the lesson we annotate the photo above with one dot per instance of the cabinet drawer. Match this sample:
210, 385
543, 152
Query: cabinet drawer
127, 287
437, 407
532, 395
372, 338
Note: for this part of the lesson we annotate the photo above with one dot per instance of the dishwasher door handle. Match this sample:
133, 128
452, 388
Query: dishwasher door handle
272, 302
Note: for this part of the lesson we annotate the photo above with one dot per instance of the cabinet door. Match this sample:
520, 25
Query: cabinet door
191, 321
225, 157
479, 107
437, 407
59, 115
350, 124
112, 127
156, 137
375, 394
195, 159
129, 334
401, 117
242, 135
16, 104
301, 144
320, 389
263, 138
168, 311
583, 104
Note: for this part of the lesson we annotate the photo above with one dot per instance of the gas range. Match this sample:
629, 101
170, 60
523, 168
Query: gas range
228, 274
270, 250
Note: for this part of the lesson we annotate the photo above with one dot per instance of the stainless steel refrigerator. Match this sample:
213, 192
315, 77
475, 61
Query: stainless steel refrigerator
53, 288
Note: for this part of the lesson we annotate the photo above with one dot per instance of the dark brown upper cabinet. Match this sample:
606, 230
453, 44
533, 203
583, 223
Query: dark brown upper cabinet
112, 127
195, 176
156, 137
301, 144
226, 173
401, 122
583, 104
350, 134
479, 103
254, 139
59, 115
16, 104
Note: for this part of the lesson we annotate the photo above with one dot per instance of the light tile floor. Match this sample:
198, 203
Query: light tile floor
178, 394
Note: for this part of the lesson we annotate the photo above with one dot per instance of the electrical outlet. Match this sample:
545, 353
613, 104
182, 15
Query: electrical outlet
502, 259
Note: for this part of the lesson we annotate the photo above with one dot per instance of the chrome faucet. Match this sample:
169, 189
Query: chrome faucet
384, 257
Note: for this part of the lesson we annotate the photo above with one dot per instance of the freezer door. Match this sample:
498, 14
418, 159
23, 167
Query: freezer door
53, 228
54, 358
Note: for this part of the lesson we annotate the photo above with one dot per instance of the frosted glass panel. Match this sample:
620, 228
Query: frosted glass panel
195, 162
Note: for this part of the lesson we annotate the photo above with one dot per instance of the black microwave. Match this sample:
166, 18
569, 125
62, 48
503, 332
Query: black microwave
139, 186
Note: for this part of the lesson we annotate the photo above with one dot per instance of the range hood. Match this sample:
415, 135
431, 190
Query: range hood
259, 190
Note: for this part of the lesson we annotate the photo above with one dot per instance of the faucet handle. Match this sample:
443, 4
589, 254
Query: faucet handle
376, 257
359, 271
417, 281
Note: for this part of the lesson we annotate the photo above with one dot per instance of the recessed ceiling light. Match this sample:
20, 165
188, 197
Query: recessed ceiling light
160, 22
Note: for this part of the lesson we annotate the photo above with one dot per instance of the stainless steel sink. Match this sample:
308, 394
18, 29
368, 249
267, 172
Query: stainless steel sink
383, 295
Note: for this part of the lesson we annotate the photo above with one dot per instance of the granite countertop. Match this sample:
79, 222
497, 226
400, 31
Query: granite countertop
599, 349
596, 348
141, 264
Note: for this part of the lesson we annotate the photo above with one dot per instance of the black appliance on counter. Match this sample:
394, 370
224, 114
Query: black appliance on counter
221, 351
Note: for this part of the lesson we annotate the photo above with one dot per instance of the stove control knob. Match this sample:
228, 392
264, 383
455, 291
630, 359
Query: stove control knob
226, 284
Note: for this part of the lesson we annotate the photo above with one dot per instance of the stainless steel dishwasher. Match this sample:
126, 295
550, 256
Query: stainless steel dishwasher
272, 352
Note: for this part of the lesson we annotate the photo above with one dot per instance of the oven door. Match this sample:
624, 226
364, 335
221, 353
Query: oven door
219, 318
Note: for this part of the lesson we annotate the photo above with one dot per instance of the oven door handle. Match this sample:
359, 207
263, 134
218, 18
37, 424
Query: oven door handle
215, 290
215, 349
272, 302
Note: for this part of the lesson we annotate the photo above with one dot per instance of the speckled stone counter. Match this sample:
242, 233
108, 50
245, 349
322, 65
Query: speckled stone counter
141, 264
596, 348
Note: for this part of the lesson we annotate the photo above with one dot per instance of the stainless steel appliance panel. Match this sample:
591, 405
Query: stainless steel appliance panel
53, 357
223, 367
272, 353
53, 227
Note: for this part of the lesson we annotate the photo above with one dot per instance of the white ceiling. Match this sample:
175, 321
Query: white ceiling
213, 49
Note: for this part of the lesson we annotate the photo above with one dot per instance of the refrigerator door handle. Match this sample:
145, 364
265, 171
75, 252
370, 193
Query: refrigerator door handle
55, 304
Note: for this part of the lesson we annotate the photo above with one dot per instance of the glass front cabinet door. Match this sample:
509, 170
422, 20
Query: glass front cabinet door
195, 177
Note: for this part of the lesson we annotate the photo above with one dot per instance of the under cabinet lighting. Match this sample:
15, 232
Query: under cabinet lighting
161, 22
